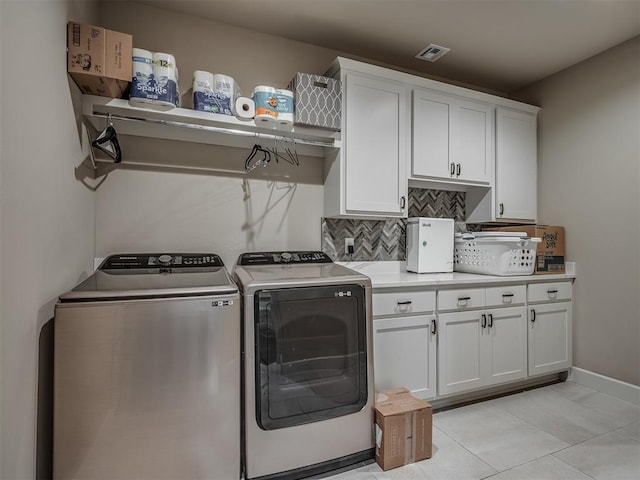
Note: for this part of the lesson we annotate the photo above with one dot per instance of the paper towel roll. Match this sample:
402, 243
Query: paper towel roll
202, 81
142, 73
266, 104
285, 107
166, 77
224, 89
244, 108
203, 91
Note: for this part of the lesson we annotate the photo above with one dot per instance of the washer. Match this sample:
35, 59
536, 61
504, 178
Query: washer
147, 371
307, 363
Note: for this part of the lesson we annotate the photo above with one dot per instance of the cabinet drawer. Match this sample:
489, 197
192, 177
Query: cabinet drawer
508, 295
548, 292
462, 299
403, 303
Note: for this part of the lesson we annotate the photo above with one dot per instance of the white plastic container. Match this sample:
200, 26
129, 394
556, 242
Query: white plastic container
495, 253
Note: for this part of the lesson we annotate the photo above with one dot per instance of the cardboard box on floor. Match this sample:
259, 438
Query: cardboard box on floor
99, 60
403, 425
550, 252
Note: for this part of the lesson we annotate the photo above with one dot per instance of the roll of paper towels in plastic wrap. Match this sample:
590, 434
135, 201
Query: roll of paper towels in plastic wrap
266, 104
285, 107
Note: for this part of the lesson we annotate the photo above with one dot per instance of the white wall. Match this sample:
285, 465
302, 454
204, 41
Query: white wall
278, 207
47, 216
589, 181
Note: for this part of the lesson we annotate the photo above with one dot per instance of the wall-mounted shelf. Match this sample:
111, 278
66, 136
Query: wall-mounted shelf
200, 127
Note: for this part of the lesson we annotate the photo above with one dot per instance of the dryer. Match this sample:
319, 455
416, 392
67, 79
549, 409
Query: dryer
307, 364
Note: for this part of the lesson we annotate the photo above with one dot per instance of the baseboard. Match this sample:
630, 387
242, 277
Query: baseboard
616, 388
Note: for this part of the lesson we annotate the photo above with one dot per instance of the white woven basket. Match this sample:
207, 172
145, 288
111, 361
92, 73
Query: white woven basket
495, 253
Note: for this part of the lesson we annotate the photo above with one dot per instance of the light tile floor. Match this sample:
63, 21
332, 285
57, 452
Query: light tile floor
559, 432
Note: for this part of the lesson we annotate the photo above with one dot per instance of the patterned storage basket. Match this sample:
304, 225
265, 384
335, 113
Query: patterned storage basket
495, 253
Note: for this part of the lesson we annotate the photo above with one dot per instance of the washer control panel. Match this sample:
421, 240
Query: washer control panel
283, 258
161, 260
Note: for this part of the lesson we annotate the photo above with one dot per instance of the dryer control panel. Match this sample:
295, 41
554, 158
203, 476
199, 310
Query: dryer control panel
281, 258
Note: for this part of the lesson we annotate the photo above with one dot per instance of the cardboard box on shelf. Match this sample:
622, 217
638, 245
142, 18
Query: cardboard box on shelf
550, 252
403, 425
99, 60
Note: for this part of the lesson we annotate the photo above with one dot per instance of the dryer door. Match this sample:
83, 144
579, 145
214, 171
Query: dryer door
311, 358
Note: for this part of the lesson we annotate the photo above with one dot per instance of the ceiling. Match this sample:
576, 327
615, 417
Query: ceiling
500, 45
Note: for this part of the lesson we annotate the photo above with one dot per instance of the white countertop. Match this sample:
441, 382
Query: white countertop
395, 274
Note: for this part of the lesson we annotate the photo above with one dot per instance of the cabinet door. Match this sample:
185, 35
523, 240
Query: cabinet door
405, 354
431, 139
516, 165
375, 146
472, 132
507, 328
452, 138
461, 348
550, 337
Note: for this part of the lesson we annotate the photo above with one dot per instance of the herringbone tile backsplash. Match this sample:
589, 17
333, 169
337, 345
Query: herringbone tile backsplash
378, 240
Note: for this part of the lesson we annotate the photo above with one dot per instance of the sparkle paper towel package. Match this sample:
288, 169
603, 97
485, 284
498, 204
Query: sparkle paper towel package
214, 93
318, 101
155, 79
98, 59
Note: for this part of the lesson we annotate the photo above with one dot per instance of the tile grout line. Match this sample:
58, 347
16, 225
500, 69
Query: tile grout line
469, 451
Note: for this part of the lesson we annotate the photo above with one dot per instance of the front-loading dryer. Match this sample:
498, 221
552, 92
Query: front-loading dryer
307, 364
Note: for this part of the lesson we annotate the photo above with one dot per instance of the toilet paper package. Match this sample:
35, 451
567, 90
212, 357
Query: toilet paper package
215, 93
155, 79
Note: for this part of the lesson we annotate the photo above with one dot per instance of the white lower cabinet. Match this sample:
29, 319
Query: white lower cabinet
481, 348
405, 354
404, 341
550, 327
477, 337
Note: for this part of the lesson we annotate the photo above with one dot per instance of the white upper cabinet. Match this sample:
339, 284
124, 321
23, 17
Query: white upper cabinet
375, 148
368, 177
516, 165
452, 138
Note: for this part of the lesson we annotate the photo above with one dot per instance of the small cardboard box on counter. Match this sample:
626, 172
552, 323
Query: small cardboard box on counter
99, 60
318, 101
403, 425
550, 252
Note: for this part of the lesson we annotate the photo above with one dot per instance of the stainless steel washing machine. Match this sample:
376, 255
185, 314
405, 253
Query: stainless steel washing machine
147, 371
307, 363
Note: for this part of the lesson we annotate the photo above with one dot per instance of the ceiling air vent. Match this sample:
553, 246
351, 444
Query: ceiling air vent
432, 53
